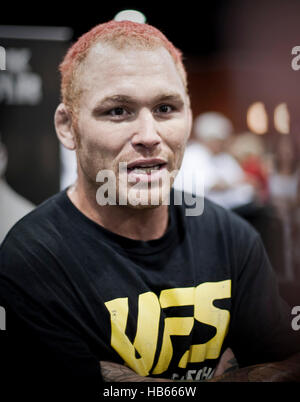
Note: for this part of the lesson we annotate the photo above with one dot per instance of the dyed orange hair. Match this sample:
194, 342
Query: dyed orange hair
118, 34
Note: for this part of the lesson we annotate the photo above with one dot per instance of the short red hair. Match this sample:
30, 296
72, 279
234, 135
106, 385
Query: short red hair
118, 34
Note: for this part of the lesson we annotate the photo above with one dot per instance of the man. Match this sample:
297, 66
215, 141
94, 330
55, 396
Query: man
100, 281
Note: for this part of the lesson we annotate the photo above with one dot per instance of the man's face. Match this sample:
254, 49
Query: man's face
133, 109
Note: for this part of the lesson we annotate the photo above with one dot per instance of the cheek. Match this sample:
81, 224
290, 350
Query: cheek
98, 139
176, 135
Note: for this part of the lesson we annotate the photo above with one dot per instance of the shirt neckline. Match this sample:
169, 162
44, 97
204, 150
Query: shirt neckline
125, 244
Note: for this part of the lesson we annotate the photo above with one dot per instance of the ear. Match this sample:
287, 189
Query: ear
63, 127
190, 118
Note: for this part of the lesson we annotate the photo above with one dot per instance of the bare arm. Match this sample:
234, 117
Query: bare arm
285, 371
114, 372
227, 363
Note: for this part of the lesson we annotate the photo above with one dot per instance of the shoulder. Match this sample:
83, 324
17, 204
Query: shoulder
35, 231
209, 213
213, 223
37, 254
41, 216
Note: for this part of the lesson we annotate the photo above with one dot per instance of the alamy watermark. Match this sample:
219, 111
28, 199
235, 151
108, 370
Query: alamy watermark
144, 186
296, 320
2, 58
296, 60
2, 319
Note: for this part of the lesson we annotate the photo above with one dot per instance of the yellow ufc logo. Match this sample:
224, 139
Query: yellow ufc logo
149, 310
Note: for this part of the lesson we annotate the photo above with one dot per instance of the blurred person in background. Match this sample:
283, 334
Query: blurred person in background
285, 176
285, 196
249, 151
224, 180
12, 205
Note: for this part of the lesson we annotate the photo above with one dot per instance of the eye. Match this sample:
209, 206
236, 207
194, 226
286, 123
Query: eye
117, 112
164, 109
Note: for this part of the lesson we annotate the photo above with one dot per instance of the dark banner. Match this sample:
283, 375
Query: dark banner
29, 95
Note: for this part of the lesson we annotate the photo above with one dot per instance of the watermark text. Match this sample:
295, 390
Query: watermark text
296, 319
296, 60
2, 319
144, 187
2, 58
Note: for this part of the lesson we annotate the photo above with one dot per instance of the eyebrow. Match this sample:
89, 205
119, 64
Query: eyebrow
125, 99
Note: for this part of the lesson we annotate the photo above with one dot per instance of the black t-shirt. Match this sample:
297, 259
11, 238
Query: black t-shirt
76, 293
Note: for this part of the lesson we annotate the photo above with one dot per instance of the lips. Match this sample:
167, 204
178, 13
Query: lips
145, 166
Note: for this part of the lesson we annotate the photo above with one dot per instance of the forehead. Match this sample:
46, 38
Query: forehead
108, 69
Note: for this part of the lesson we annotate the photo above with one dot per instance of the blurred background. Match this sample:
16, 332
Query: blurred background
241, 58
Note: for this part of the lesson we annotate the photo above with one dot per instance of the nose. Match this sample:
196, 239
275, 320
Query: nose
146, 135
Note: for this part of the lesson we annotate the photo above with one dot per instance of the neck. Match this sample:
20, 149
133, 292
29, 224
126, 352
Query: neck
134, 223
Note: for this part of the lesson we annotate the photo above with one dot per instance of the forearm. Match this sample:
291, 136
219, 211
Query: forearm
285, 371
114, 372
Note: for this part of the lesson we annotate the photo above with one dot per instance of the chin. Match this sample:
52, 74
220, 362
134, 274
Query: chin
146, 199
143, 207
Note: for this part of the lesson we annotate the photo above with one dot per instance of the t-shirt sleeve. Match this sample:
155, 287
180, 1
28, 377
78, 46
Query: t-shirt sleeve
260, 328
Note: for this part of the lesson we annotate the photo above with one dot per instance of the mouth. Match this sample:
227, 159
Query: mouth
146, 166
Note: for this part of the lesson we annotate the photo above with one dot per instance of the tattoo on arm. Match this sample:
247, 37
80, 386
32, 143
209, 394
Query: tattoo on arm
114, 372
283, 371
227, 363
232, 365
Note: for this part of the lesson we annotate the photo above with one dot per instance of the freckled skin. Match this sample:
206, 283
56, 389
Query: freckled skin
107, 140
